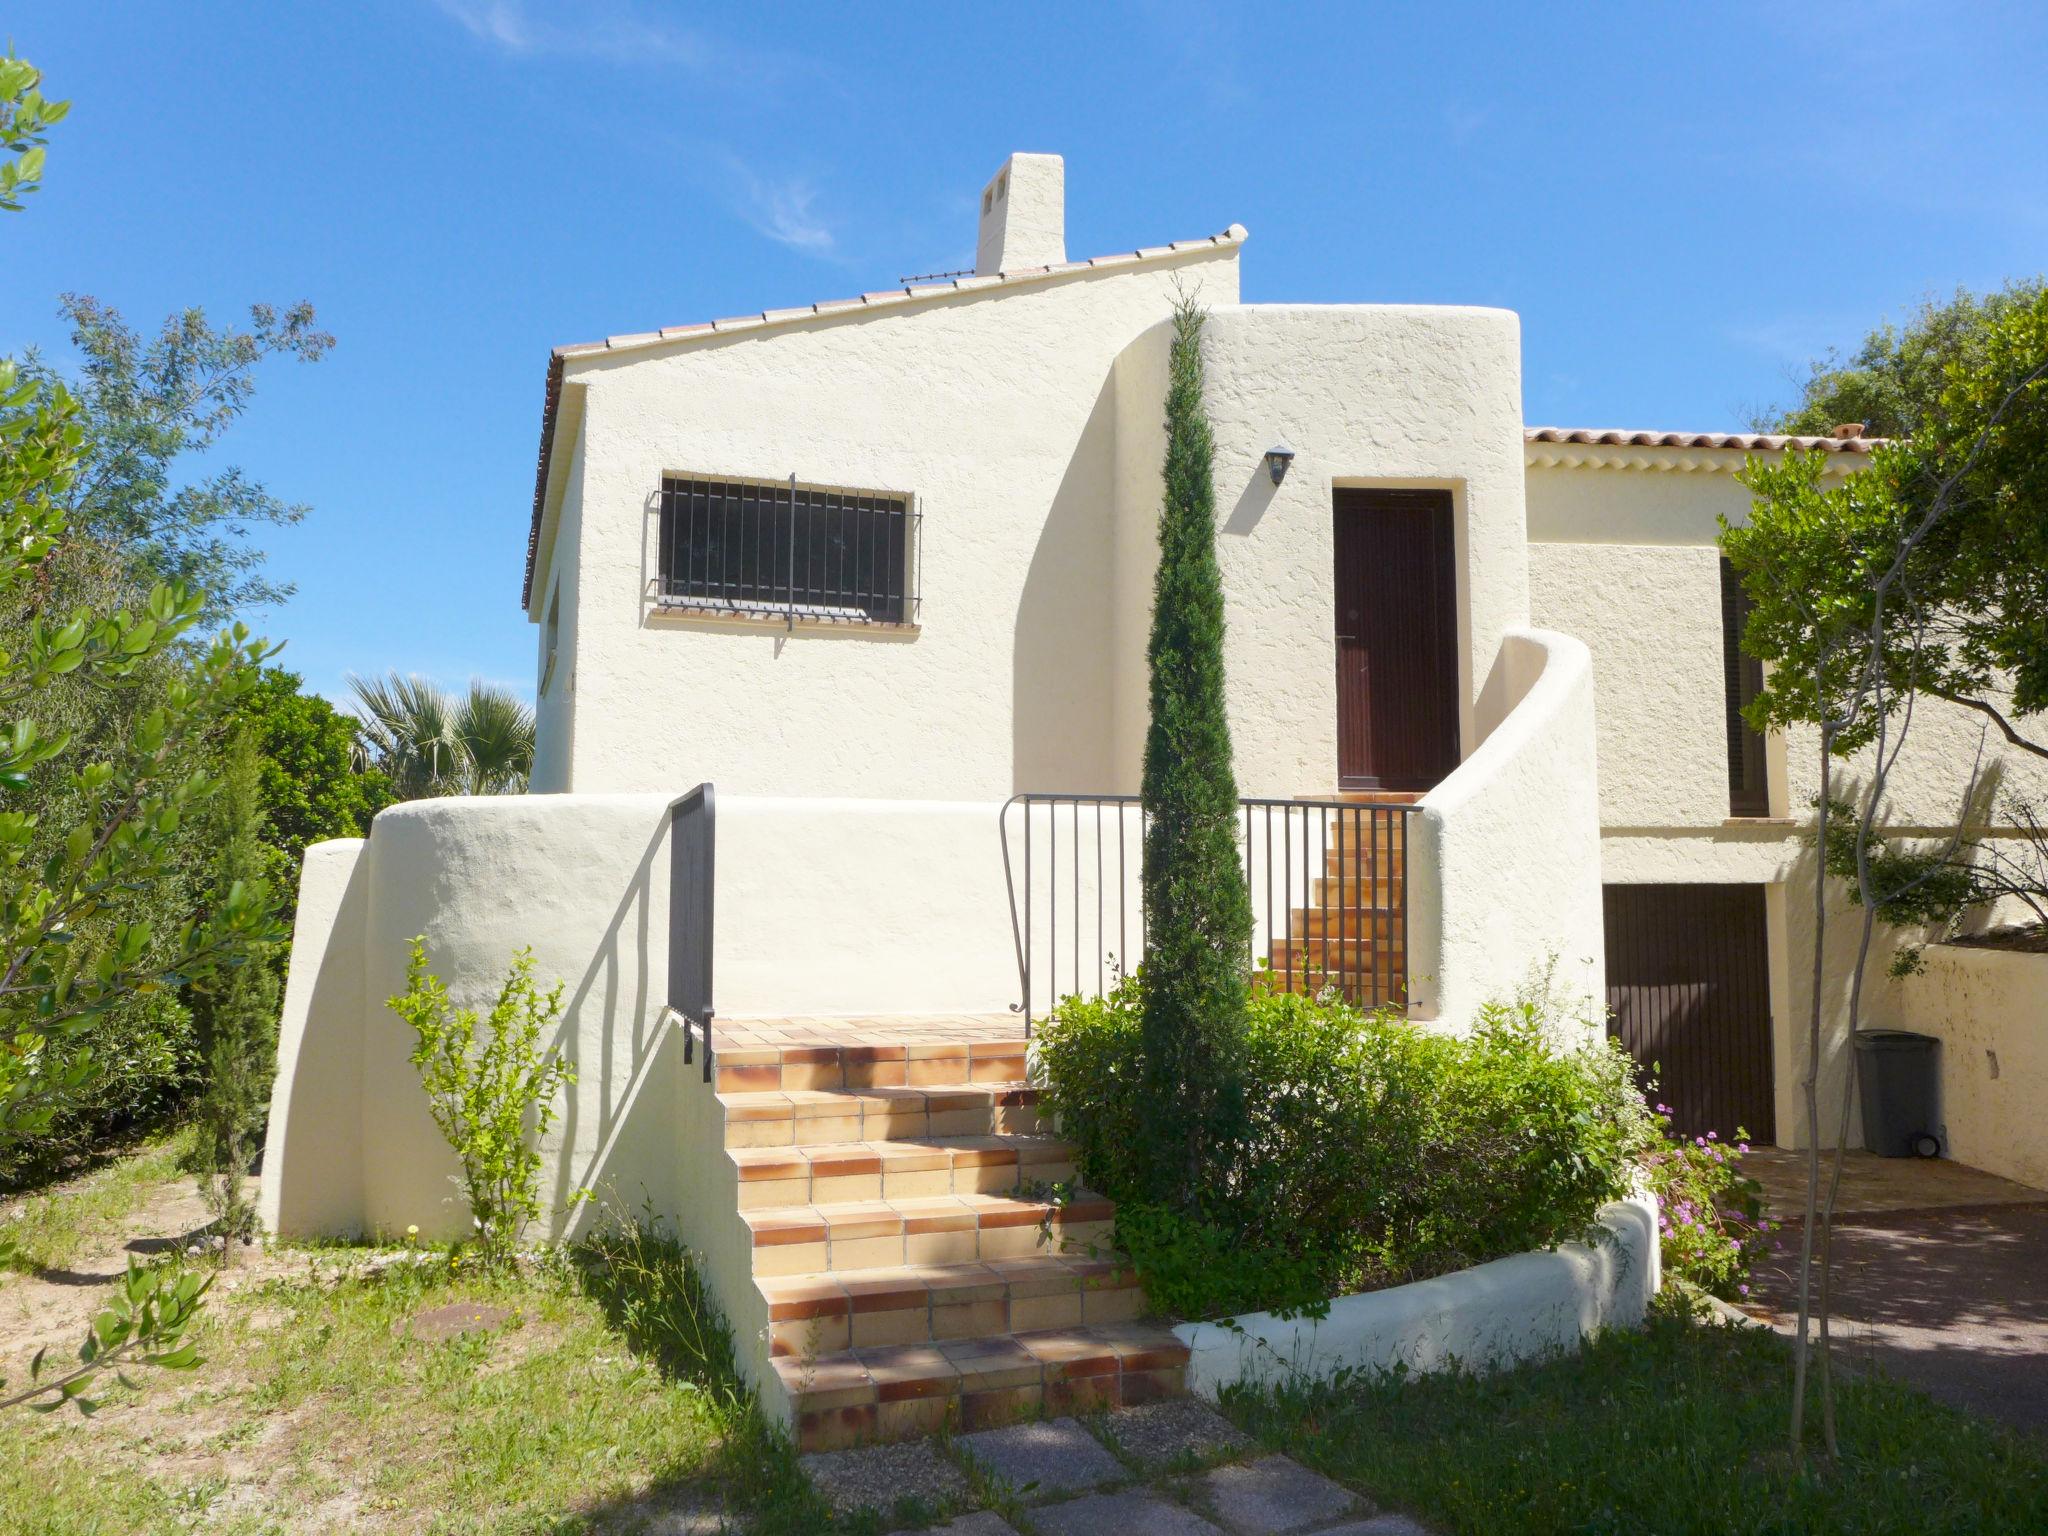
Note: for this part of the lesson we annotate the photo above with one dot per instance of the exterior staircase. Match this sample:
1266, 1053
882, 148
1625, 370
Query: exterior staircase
1352, 934
898, 1251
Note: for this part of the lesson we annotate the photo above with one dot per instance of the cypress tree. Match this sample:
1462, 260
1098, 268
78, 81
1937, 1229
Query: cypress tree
238, 1008
1198, 911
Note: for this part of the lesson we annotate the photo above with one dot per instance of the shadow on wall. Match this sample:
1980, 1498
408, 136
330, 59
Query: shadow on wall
626, 1084
1252, 502
1061, 676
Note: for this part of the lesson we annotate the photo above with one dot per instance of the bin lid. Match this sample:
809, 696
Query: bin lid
1894, 1040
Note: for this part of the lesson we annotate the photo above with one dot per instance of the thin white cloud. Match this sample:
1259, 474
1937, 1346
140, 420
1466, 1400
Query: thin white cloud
785, 210
612, 31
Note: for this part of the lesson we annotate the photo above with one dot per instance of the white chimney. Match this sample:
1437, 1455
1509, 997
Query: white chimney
1023, 216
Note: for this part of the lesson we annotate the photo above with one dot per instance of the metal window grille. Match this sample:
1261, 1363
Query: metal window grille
774, 548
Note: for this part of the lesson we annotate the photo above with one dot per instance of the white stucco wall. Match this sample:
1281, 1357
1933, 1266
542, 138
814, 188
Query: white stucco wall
312, 1153
554, 691
994, 410
1989, 1008
1533, 1305
1624, 554
581, 879
822, 907
1383, 395
1505, 853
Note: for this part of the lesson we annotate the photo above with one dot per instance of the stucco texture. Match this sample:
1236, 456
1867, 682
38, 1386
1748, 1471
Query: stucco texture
580, 879
1989, 1008
1532, 1305
994, 411
1386, 395
1505, 855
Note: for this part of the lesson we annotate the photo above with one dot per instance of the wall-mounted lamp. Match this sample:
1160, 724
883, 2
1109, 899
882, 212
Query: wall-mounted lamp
1278, 457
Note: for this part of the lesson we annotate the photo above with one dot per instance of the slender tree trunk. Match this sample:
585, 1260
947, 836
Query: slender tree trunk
1809, 1088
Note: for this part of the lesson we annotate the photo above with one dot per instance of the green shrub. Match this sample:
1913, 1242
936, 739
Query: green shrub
1711, 1226
483, 1092
1376, 1152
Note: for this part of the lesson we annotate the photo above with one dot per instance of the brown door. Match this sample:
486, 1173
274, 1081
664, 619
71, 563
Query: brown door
1397, 639
1689, 988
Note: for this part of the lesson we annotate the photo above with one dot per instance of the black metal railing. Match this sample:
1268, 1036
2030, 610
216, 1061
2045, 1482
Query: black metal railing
783, 549
692, 847
1328, 881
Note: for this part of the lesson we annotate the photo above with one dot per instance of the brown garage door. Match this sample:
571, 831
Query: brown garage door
1689, 988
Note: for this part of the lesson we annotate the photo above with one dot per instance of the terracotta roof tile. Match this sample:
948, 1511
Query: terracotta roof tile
1748, 442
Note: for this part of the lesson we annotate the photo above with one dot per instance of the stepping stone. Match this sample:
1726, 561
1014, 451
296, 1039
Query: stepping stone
878, 1476
1380, 1525
1058, 1457
1177, 1432
1274, 1497
987, 1523
1134, 1512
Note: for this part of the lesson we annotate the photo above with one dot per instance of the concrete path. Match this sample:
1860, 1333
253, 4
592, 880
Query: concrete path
1941, 1276
1174, 1468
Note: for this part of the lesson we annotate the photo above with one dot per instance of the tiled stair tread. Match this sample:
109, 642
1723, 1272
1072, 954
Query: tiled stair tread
894, 1286
891, 1392
931, 1050
774, 1226
803, 1103
915, 1151
1011, 1359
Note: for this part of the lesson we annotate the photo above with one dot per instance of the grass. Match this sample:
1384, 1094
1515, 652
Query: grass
1677, 1430
603, 1401
52, 1228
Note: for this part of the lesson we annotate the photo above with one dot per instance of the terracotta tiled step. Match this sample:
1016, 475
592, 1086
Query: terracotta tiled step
820, 1314
897, 1169
1380, 886
783, 1117
895, 1392
1381, 923
758, 1069
944, 1229
1339, 954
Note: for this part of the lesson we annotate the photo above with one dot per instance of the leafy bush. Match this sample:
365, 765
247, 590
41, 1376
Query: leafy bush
1710, 1214
482, 1093
1376, 1152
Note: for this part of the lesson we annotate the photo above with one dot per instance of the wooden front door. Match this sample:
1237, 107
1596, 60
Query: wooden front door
1689, 990
1397, 639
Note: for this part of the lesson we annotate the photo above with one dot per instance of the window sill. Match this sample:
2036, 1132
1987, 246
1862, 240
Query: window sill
821, 621
1759, 821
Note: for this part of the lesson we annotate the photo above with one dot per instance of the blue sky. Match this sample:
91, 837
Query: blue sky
1683, 202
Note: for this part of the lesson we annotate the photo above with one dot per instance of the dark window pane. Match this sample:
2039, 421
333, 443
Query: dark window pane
762, 548
1743, 680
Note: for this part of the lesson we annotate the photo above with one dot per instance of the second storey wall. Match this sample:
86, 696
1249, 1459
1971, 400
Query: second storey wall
996, 413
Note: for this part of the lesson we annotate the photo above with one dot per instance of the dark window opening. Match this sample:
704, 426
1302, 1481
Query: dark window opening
754, 547
1743, 678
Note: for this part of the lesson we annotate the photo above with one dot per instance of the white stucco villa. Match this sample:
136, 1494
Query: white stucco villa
871, 569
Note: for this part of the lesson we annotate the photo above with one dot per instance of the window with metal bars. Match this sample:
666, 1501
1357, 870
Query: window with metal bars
1749, 791
765, 547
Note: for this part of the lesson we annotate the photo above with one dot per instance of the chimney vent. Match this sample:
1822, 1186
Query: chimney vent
1023, 216
1848, 430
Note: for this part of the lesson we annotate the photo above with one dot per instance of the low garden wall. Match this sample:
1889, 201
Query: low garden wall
1495, 1314
1989, 1008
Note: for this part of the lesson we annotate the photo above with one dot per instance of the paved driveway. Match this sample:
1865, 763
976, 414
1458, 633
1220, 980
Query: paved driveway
1941, 1275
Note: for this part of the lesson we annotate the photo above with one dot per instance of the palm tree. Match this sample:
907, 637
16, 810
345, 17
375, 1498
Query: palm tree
431, 743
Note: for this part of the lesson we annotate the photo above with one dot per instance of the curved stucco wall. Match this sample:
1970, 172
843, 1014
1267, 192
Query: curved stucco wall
1366, 394
1532, 1305
822, 907
1504, 855
583, 881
